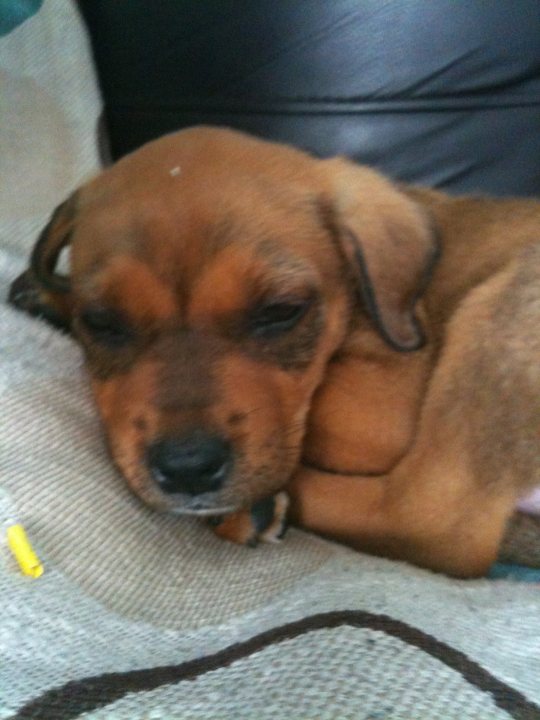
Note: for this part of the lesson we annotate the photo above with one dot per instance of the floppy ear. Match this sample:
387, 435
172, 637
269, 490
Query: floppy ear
390, 246
41, 291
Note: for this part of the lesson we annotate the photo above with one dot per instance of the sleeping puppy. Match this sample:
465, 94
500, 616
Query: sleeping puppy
255, 320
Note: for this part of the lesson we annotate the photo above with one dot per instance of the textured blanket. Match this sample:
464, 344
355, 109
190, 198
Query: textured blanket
141, 616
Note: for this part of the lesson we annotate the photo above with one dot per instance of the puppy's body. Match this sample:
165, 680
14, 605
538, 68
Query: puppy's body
255, 319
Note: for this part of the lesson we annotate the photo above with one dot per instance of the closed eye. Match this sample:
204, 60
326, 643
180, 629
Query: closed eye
106, 327
276, 317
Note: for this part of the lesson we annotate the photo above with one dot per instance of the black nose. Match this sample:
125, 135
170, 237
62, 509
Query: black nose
193, 464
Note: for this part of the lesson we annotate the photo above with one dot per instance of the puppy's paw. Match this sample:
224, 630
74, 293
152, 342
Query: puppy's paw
265, 521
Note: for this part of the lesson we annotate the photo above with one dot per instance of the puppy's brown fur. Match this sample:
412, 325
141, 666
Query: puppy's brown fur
399, 406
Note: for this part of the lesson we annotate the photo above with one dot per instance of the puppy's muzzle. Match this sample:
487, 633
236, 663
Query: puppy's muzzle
192, 465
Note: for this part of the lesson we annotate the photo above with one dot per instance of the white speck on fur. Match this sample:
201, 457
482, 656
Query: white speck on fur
173, 172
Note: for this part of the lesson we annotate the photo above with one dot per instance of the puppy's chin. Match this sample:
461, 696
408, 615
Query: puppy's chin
234, 496
204, 505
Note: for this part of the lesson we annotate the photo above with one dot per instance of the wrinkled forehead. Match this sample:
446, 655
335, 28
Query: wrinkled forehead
174, 232
154, 267
154, 205
176, 214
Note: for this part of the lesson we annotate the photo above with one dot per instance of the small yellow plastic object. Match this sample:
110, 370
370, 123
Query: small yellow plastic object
23, 552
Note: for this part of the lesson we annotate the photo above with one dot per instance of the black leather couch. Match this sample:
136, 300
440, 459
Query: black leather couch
443, 92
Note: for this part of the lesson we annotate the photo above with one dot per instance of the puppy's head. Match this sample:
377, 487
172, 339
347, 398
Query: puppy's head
212, 277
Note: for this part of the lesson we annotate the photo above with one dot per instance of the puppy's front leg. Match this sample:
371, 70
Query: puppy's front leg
265, 521
432, 517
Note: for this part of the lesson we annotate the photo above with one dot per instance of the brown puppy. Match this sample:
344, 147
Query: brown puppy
255, 319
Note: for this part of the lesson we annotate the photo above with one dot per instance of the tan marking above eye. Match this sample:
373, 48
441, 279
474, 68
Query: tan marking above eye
239, 280
132, 288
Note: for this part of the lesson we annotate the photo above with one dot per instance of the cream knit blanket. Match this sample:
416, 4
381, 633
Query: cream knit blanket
142, 616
